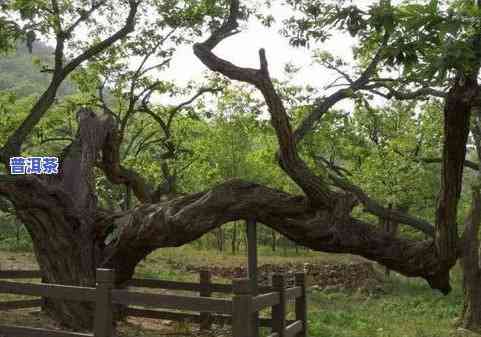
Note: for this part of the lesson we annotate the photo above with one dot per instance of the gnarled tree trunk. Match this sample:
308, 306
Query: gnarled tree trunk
64, 246
61, 215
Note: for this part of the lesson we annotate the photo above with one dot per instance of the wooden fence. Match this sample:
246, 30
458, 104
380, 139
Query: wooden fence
240, 311
20, 274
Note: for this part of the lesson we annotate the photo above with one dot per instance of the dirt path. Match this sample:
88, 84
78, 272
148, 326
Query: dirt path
17, 261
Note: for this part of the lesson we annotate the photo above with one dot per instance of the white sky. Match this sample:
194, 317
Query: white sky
242, 49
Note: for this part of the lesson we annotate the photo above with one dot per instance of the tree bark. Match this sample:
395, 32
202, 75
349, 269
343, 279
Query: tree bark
60, 213
274, 240
63, 245
457, 113
471, 315
234, 238
390, 227
182, 220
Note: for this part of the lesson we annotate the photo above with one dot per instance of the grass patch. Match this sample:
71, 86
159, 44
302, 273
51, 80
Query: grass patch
190, 255
12, 244
409, 308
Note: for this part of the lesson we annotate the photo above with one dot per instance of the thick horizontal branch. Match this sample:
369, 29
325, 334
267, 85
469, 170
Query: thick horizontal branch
185, 219
31, 192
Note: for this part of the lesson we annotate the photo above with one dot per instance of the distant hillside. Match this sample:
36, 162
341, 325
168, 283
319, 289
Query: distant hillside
20, 74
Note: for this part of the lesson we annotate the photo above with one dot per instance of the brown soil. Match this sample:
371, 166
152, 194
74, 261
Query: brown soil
14, 261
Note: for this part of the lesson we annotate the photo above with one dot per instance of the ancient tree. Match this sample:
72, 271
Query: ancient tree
69, 229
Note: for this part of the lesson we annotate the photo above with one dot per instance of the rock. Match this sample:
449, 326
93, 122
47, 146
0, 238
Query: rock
352, 276
331, 289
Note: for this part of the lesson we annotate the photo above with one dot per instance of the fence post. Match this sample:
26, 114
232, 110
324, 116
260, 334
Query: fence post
205, 317
242, 309
104, 321
301, 303
279, 310
252, 265
43, 304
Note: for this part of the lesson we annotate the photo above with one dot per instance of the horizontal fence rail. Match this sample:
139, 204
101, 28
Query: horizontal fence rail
19, 274
20, 304
161, 284
166, 315
293, 329
176, 316
187, 286
292, 293
18, 331
189, 303
63, 292
265, 300
189, 317
13, 305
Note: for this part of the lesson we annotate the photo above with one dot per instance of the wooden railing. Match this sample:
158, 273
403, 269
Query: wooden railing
63, 292
268, 294
21, 304
240, 311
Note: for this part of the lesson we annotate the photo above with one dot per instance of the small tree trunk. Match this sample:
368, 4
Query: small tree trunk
391, 229
17, 231
274, 241
471, 315
234, 239
219, 235
457, 113
127, 204
238, 240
